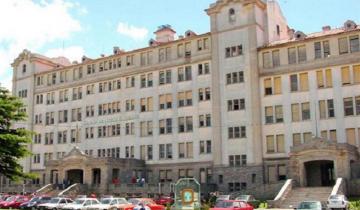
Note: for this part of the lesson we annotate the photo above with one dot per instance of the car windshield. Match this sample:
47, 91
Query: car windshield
242, 197
310, 205
122, 201
106, 201
224, 204
134, 201
35, 199
79, 201
335, 197
10, 198
54, 200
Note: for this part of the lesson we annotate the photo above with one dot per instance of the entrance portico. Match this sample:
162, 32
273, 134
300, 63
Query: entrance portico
96, 173
319, 162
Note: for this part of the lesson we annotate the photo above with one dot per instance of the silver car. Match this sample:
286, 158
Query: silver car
338, 202
311, 205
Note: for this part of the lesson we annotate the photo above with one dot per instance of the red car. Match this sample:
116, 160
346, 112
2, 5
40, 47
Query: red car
164, 200
15, 202
5, 201
134, 204
232, 205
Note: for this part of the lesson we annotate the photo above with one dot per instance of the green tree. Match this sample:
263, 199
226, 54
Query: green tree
13, 142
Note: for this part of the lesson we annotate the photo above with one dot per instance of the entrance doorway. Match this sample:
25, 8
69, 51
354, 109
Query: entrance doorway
75, 176
319, 173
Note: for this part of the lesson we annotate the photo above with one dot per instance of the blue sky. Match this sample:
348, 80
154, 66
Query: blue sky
76, 27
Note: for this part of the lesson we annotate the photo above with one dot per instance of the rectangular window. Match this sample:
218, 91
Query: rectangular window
333, 135
277, 85
296, 139
356, 71
348, 107
301, 53
326, 49
292, 55
305, 111
345, 75
304, 82
331, 108
280, 144
343, 45
295, 112
279, 114
268, 86
270, 144
269, 115
317, 47
354, 43
267, 60
276, 58
328, 76
322, 109
293, 83
350, 136
320, 79
307, 137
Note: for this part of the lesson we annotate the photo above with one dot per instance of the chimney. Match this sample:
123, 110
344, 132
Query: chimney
165, 34
326, 28
291, 33
116, 50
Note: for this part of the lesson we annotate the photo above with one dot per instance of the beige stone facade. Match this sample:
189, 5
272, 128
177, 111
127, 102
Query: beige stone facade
237, 108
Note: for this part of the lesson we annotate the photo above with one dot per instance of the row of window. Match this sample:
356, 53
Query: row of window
185, 124
298, 54
146, 59
185, 150
300, 82
276, 143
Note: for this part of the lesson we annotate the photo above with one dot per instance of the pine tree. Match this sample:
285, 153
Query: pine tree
13, 142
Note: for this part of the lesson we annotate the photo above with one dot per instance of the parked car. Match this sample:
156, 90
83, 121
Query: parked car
82, 204
55, 203
7, 200
16, 202
3, 197
223, 197
250, 199
232, 205
338, 202
164, 200
35, 201
110, 203
311, 205
135, 203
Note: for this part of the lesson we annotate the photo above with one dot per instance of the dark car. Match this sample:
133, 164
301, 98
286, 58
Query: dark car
35, 201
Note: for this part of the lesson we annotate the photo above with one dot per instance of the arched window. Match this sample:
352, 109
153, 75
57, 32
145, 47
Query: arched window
232, 16
24, 68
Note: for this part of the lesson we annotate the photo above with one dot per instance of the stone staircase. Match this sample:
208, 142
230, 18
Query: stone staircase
299, 194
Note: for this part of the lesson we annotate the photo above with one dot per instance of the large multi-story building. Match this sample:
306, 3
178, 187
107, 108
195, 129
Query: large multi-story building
244, 106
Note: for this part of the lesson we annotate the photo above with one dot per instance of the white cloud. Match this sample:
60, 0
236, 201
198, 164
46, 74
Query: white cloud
73, 53
136, 33
31, 25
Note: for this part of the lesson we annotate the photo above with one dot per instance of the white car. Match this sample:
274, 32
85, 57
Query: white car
55, 203
338, 202
109, 203
82, 204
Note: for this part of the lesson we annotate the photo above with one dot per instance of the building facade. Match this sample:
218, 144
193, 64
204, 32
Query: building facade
231, 107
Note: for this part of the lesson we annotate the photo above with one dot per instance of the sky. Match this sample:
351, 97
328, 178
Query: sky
73, 28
